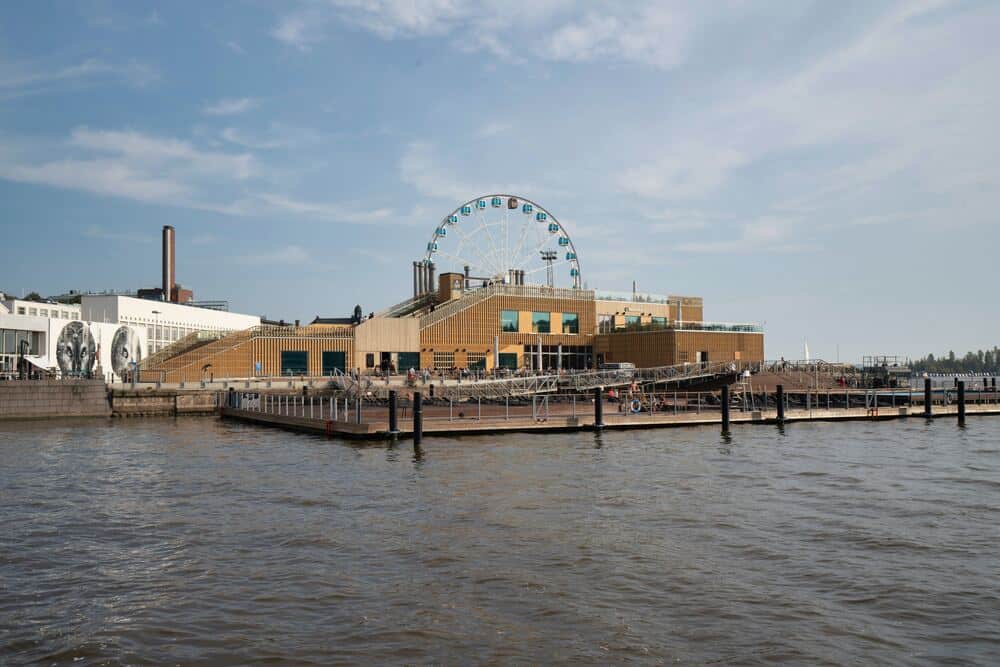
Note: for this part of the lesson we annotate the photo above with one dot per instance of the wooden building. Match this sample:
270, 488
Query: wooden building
498, 326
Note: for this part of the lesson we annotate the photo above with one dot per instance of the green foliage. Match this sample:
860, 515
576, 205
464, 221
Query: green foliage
987, 362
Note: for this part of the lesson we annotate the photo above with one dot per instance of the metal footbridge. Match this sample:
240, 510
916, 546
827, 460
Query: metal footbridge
583, 381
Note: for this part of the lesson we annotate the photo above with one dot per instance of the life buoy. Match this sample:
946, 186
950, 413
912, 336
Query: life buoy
635, 405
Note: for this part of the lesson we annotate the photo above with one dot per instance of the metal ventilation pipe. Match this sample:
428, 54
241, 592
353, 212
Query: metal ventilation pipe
431, 286
416, 291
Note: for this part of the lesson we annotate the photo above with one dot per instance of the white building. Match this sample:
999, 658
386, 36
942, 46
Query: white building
69, 348
62, 311
163, 322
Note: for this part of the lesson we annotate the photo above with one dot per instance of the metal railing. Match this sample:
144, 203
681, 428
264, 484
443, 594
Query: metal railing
408, 306
576, 381
733, 327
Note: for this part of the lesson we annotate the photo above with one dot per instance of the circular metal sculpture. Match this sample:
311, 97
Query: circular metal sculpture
124, 350
505, 238
75, 351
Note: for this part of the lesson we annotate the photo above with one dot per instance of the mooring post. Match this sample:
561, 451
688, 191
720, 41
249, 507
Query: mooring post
418, 419
927, 397
961, 403
357, 409
725, 409
780, 399
598, 408
393, 425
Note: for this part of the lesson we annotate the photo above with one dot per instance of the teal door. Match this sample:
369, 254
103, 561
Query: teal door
334, 361
407, 360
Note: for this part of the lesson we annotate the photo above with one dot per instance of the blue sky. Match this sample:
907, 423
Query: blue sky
829, 169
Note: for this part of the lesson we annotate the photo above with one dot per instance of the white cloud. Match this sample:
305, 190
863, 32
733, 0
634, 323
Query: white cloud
174, 172
235, 47
301, 29
277, 136
419, 167
654, 35
766, 234
99, 232
21, 79
161, 153
289, 254
494, 128
230, 106
686, 172
649, 32
322, 211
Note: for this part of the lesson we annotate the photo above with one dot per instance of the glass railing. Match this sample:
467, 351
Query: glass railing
634, 297
731, 327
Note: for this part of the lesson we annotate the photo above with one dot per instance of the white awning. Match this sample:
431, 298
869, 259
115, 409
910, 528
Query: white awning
40, 362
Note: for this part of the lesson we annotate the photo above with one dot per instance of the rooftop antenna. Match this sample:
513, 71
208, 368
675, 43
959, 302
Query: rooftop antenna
549, 256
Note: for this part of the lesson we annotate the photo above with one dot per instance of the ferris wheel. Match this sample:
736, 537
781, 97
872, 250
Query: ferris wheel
505, 238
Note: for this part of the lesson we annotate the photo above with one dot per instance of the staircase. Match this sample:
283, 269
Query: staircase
178, 368
178, 347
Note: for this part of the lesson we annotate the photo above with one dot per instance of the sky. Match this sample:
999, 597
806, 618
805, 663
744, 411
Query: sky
826, 169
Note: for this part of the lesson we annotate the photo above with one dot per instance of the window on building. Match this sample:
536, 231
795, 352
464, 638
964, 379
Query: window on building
444, 360
334, 361
632, 321
541, 322
44, 312
508, 360
32, 311
294, 362
20, 310
660, 322
370, 360
508, 321
570, 323
65, 315
477, 360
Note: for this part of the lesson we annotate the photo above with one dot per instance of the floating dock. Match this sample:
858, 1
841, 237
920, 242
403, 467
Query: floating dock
332, 418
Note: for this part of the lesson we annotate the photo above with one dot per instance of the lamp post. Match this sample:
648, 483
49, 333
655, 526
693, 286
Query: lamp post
156, 332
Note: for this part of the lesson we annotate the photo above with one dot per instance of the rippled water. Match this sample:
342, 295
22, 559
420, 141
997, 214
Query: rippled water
198, 541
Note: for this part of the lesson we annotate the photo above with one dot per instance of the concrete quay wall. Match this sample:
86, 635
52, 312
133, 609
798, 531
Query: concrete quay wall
161, 403
45, 399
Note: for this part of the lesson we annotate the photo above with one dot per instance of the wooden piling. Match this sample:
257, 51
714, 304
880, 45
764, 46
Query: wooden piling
393, 424
927, 397
598, 408
961, 403
725, 409
780, 398
418, 419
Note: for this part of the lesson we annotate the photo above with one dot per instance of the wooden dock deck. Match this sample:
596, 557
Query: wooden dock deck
561, 421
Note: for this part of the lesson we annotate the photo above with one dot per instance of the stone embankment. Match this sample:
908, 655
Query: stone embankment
46, 399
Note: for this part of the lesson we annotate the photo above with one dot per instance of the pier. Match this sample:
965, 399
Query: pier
345, 417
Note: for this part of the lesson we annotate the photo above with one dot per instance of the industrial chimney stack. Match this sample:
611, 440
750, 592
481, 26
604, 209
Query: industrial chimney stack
169, 275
